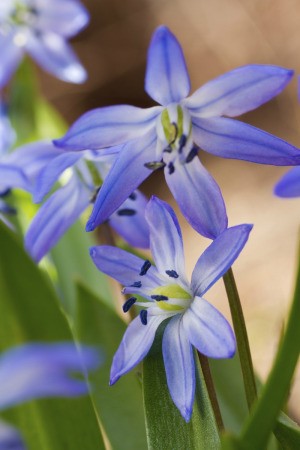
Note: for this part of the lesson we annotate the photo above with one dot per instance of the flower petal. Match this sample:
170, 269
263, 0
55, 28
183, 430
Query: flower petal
55, 55
133, 228
11, 176
233, 139
123, 266
125, 176
165, 237
11, 55
219, 257
135, 345
199, 197
10, 438
55, 216
289, 185
108, 126
208, 330
64, 17
43, 370
51, 173
167, 78
238, 91
180, 366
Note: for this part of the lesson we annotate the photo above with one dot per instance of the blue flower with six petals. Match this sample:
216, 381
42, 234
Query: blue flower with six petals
170, 135
192, 320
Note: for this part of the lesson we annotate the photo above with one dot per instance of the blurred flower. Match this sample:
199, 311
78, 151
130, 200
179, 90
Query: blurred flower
170, 136
43, 165
289, 185
193, 321
7, 133
41, 28
40, 370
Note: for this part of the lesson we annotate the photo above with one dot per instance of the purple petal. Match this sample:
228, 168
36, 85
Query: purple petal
238, 91
289, 185
64, 17
11, 176
199, 197
32, 158
135, 345
133, 228
109, 126
54, 218
180, 366
43, 370
167, 78
10, 438
125, 176
233, 139
218, 258
7, 133
208, 330
55, 55
11, 55
51, 173
165, 237
123, 266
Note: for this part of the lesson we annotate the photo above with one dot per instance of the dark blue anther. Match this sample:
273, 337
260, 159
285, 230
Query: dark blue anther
128, 304
136, 284
132, 196
171, 168
159, 298
182, 142
192, 154
145, 267
172, 273
168, 149
126, 212
154, 165
143, 316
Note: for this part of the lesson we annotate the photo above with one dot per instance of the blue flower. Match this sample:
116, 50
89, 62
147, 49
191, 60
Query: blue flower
7, 133
170, 135
41, 370
41, 29
192, 320
43, 164
289, 185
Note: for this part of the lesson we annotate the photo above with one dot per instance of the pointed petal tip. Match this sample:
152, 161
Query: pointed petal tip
90, 226
93, 252
114, 379
186, 413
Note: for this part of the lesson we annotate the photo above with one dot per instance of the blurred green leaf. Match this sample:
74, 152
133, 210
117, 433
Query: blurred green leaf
287, 432
166, 429
120, 407
29, 311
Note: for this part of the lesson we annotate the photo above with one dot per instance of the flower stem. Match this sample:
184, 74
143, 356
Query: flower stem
241, 337
211, 390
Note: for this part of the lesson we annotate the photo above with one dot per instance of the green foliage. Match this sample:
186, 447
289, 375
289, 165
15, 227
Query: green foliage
29, 311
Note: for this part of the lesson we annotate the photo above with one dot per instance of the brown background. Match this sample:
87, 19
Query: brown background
216, 35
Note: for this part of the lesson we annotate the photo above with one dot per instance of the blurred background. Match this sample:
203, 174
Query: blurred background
216, 36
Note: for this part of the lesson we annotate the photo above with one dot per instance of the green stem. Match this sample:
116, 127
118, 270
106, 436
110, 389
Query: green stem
241, 337
211, 390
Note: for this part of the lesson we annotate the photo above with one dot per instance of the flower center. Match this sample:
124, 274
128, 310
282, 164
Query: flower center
22, 14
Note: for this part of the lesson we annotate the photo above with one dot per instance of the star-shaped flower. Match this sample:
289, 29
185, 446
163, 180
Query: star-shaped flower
41, 28
289, 185
170, 135
192, 320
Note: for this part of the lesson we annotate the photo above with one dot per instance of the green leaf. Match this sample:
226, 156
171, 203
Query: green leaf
29, 311
120, 407
72, 261
287, 433
166, 429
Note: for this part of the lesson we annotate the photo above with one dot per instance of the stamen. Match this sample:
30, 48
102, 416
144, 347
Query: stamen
145, 267
182, 142
128, 304
143, 316
168, 149
172, 273
154, 165
136, 284
159, 298
126, 212
192, 154
171, 168
132, 196
175, 134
